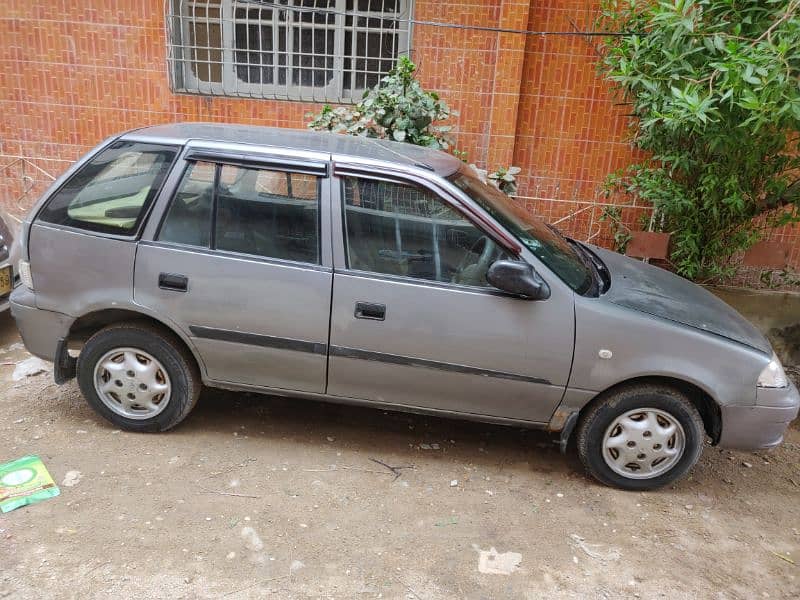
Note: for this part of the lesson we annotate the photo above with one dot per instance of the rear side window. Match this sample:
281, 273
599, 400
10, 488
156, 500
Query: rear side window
261, 212
189, 218
112, 192
268, 213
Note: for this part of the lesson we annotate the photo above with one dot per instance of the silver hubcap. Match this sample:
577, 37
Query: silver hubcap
643, 443
132, 383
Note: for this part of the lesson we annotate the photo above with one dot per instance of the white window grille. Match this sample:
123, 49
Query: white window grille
312, 50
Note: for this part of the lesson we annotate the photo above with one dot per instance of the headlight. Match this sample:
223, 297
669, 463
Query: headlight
773, 375
24, 272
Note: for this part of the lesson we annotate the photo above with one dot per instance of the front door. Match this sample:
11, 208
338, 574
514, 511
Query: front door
414, 322
237, 264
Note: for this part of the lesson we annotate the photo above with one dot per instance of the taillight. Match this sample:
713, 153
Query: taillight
24, 271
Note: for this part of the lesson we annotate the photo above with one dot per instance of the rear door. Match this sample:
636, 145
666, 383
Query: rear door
241, 263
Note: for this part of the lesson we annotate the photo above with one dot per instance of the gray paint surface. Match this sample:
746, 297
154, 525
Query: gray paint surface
40, 329
76, 272
762, 425
663, 294
241, 294
644, 346
442, 349
461, 327
265, 138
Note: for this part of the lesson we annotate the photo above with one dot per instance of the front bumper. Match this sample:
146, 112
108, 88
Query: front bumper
762, 425
41, 330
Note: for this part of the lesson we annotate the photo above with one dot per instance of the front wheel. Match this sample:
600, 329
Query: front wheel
641, 437
138, 377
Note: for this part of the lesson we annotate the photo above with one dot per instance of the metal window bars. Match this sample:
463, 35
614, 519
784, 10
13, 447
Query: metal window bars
309, 50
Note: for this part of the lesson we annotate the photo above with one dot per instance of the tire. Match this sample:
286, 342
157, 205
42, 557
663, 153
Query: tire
648, 407
160, 360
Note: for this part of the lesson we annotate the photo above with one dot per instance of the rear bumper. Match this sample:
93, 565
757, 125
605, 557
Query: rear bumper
40, 329
762, 425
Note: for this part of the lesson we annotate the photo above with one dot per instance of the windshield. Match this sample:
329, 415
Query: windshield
548, 245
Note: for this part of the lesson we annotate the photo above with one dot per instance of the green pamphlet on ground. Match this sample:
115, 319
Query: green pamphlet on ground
25, 481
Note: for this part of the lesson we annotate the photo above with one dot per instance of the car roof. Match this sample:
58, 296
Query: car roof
303, 139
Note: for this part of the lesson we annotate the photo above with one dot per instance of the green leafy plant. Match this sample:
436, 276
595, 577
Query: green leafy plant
503, 178
619, 231
397, 108
715, 103
773, 279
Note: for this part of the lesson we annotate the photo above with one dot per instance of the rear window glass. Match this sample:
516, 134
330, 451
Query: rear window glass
189, 218
274, 214
111, 193
261, 212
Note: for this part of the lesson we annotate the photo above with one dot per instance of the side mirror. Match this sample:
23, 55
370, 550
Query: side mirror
518, 278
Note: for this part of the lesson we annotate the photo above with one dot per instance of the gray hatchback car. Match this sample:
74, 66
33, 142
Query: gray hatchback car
370, 272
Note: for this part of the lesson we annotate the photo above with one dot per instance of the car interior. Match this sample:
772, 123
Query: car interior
254, 215
392, 228
403, 230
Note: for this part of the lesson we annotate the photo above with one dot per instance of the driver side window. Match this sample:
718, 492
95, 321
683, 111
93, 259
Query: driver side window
398, 229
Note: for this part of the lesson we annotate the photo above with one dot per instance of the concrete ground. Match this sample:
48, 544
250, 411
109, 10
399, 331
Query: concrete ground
265, 497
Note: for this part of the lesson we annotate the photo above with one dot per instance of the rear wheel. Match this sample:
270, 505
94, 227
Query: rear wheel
138, 377
641, 437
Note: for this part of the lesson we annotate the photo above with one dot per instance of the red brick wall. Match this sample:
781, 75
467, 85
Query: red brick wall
72, 73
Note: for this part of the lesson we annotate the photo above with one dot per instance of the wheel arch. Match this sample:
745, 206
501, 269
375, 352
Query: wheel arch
701, 399
705, 403
90, 323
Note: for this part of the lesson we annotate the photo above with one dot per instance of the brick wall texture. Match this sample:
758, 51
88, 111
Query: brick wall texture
73, 73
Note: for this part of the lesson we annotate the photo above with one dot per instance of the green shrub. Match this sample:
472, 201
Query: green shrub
397, 108
714, 92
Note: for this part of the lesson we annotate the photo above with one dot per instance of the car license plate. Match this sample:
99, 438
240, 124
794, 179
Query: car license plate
5, 280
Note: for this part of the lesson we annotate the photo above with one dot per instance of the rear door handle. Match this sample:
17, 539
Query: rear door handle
369, 310
173, 281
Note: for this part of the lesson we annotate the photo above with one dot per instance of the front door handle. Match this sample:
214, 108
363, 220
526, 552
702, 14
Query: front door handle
174, 282
369, 310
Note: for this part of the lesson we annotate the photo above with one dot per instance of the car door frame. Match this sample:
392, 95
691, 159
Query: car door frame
243, 155
344, 166
422, 176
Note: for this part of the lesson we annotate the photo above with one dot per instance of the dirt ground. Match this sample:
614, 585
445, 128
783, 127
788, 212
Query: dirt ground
264, 497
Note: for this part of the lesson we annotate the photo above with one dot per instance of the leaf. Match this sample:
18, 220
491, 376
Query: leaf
397, 103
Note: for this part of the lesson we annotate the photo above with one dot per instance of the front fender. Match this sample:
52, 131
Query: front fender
636, 344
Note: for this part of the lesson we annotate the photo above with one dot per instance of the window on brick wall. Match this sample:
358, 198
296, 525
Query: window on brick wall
313, 50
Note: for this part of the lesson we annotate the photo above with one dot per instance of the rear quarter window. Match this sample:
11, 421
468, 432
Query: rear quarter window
112, 192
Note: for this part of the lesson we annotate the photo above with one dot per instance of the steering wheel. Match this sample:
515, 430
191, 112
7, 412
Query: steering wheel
482, 264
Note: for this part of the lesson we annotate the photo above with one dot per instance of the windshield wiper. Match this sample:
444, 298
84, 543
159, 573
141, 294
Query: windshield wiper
598, 283
598, 267
581, 251
590, 263
556, 230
